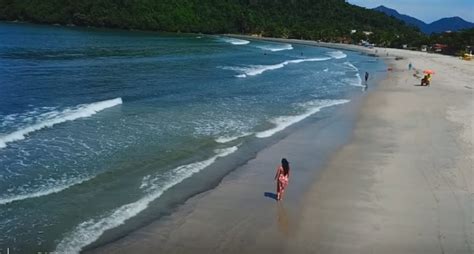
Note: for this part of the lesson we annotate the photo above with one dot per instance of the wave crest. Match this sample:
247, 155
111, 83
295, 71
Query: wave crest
49, 188
337, 54
253, 70
235, 41
276, 47
310, 107
50, 119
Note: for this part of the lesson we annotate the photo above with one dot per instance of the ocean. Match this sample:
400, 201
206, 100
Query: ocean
103, 131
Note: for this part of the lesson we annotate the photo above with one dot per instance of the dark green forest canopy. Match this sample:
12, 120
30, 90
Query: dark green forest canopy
328, 20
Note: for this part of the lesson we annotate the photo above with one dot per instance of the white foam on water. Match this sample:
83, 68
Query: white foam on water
357, 81
337, 54
226, 139
235, 41
50, 119
253, 70
351, 66
275, 47
49, 188
311, 107
89, 231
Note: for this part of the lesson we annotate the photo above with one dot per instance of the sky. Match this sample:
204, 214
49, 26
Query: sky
425, 10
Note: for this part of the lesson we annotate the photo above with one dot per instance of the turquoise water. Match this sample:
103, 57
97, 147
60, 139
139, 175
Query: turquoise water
96, 125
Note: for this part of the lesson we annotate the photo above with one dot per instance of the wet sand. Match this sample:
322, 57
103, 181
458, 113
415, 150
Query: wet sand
402, 184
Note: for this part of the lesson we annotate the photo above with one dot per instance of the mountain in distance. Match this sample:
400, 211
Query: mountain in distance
452, 24
407, 19
439, 26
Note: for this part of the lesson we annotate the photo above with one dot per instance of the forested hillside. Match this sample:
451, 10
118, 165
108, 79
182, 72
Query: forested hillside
309, 19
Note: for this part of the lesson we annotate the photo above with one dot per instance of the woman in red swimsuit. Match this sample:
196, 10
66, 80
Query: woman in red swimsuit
282, 176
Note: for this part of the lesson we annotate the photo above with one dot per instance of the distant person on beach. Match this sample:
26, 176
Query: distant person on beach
410, 66
426, 80
282, 176
366, 77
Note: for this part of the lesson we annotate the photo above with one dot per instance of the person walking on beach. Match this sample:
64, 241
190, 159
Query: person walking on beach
366, 77
282, 176
410, 66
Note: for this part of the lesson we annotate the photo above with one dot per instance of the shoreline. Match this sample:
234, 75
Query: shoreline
230, 219
349, 47
404, 184
332, 134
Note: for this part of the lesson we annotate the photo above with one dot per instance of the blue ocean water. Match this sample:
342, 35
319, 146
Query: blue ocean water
97, 124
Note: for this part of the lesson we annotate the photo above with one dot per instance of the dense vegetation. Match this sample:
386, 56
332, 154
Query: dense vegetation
456, 42
327, 20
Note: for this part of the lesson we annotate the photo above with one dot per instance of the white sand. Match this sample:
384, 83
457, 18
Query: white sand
405, 183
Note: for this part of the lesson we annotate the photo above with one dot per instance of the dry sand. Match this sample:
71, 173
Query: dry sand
403, 184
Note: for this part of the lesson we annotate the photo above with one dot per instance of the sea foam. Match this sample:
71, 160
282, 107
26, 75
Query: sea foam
235, 41
50, 119
337, 54
351, 66
275, 47
357, 80
154, 186
51, 187
253, 70
226, 139
311, 108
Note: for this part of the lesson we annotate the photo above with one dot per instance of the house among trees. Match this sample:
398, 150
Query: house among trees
439, 47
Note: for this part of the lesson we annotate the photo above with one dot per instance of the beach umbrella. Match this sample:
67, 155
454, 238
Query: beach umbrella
428, 72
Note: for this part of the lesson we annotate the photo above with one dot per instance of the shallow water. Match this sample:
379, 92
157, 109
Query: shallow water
97, 124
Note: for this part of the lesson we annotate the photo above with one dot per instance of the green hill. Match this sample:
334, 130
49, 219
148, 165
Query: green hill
328, 20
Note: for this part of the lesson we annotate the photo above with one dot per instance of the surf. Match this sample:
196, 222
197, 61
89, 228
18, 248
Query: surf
311, 107
227, 139
337, 54
357, 80
50, 119
254, 70
54, 187
89, 231
275, 47
235, 41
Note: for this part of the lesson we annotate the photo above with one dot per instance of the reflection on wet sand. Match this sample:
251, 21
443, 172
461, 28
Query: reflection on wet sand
283, 219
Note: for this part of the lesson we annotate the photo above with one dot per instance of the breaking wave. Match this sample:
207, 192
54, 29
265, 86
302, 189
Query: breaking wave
310, 107
50, 119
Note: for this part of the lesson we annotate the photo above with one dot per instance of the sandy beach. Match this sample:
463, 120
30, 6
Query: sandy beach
404, 182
